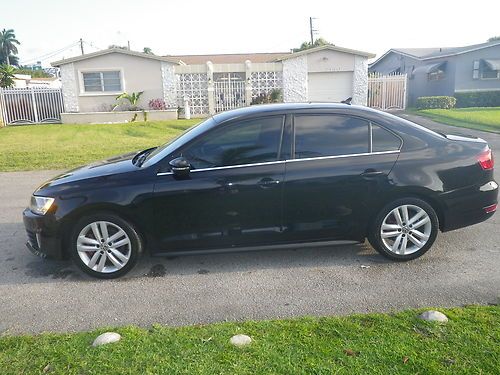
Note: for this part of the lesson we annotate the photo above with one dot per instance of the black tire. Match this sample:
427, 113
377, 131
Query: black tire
136, 245
374, 232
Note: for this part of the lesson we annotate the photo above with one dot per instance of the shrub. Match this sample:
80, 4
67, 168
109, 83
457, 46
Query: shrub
275, 96
478, 99
431, 102
157, 104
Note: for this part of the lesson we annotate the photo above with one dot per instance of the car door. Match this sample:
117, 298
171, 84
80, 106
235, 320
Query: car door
339, 166
233, 194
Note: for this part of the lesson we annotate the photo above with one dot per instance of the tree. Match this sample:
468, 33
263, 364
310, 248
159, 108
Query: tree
133, 99
307, 45
147, 51
8, 44
494, 39
6, 75
111, 46
14, 60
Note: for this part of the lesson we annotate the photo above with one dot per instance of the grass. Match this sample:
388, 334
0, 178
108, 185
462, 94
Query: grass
360, 344
487, 119
59, 146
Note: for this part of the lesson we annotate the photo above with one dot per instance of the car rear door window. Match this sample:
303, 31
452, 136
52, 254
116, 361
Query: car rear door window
245, 142
330, 135
384, 140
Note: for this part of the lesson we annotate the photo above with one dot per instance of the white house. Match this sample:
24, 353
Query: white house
91, 82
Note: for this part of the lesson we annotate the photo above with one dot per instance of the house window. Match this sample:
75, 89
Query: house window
475, 70
435, 75
488, 73
106, 81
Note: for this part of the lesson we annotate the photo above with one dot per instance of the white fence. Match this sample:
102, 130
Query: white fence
387, 91
229, 95
31, 105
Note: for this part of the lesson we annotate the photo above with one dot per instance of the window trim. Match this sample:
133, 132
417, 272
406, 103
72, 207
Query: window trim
100, 93
489, 78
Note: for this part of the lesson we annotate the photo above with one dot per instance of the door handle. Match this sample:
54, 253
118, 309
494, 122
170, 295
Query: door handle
371, 173
267, 182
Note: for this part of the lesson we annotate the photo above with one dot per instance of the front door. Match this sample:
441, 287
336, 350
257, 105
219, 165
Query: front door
340, 164
233, 194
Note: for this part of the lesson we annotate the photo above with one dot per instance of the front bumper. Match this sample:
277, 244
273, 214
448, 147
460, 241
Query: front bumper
467, 206
44, 239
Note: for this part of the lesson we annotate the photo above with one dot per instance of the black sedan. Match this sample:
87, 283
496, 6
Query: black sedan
264, 177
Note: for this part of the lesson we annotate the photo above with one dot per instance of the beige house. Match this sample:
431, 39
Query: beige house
211, 83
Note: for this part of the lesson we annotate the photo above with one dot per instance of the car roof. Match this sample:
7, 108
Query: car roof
286, 107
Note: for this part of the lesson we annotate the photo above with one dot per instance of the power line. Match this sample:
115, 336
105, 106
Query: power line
49, 54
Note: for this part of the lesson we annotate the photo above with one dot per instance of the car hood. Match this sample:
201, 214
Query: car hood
112, 166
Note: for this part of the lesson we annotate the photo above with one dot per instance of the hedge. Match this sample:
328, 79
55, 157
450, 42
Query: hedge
478, 99
431, 102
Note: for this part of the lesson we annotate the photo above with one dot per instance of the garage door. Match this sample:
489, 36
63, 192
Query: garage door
329, 86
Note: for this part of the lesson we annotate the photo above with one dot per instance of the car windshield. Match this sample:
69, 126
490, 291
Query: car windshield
167, 148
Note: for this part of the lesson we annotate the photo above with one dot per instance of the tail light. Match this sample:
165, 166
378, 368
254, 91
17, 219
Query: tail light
485, 159
490, 209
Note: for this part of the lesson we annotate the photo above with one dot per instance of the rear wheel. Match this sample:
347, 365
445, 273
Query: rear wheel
105, 245
404, 229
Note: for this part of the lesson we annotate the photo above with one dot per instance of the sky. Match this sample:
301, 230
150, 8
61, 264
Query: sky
199, 27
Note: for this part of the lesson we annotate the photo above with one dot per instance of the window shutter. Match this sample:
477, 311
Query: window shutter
475, 70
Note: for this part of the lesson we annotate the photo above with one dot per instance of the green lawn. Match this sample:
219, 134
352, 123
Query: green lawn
487, 119
62, 146
360, 344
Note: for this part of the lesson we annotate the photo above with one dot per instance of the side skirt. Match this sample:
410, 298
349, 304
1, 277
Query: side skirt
256, 248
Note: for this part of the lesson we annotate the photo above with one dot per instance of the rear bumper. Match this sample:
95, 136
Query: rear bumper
43, 235
466, 206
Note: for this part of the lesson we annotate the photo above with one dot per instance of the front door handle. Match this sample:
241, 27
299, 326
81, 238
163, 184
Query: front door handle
267, 182
371, 173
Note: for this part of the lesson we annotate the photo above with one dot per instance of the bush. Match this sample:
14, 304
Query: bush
275, 96
478, 99
431, 102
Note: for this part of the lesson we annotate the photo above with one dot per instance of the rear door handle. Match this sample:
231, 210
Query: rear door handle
371, 173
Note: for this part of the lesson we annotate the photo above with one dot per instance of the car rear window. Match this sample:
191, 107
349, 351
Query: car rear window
384, 140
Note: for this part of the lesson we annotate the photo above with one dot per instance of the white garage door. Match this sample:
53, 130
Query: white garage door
329, 86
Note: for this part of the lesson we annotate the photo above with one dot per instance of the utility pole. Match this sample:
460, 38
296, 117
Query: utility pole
128, 44
81, 45
310, 29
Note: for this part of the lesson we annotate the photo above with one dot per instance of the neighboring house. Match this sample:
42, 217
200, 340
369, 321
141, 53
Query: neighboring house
25, 80
444, 71
212, 83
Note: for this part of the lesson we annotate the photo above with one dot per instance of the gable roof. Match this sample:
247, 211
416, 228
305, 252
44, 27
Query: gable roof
327, 47
229, 58
436, 52
114, 50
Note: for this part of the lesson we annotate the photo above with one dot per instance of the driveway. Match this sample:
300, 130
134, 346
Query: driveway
37, 295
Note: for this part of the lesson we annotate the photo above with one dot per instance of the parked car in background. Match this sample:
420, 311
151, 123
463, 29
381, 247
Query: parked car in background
269, 176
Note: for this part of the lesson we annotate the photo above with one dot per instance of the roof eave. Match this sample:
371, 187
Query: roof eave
329, 47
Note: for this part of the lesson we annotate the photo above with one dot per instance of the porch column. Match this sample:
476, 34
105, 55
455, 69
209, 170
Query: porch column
210, 88
248, 82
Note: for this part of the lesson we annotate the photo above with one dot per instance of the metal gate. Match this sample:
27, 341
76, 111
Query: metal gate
387, 91
31, 105
229, 92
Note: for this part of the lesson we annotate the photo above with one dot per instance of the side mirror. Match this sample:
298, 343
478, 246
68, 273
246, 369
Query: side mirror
180, 166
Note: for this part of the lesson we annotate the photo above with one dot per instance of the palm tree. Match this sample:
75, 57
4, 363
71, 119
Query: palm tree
133, 99
8, 43
6, 75
147, 51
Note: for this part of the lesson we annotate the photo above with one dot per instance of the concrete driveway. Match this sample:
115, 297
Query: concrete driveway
37, 295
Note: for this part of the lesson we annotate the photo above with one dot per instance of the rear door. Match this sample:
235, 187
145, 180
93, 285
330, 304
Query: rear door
338, 167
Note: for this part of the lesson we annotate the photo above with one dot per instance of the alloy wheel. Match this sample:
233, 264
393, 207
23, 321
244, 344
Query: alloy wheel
405, 229
104, 247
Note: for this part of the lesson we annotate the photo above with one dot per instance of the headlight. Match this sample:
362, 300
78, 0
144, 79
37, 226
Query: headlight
40, 205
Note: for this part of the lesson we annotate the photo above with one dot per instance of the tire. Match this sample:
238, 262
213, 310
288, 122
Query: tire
120, 248
421, 227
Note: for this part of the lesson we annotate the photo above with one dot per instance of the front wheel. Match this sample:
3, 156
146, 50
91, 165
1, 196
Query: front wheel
404, 229
105, 245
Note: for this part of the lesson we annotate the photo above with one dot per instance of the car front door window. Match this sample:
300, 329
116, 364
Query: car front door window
247, 142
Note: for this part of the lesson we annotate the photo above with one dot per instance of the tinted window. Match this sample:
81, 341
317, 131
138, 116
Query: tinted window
384, 140
252, 141
329, 135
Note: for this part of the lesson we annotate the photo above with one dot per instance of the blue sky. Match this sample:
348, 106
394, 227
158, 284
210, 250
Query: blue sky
191, 27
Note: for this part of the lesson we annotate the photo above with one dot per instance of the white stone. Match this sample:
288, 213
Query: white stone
106, 338
240, 340
169, 84
295, 79
360, 81
434, 316
69, 87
